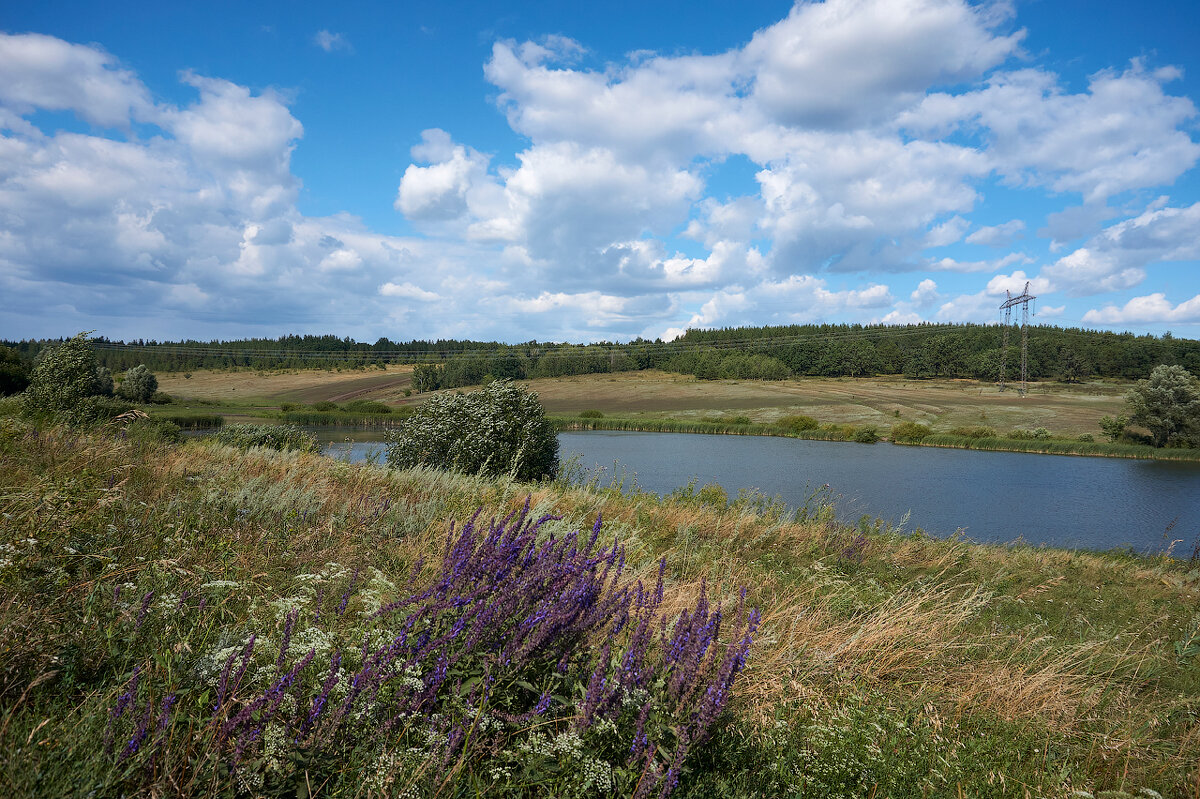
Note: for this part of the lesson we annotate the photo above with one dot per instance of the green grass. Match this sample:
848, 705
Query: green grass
343, 418
887, 664
1056, 447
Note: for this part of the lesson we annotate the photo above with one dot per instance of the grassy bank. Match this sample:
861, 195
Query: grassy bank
830, 432
1060, 447
342, 418
135, 573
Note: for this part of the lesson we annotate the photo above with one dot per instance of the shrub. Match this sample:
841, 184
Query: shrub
741, 420
1113, 428
500, 429
270, 436
909, 431
797, 424
1087, 437
1019, 435
710, 494
974, 432
591, 414
1041, 433
139, 385
63, 377
161, 398
867, 434
325, 405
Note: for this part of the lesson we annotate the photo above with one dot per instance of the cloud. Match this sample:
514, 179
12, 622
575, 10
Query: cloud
604, 223
1151, 309
42, 72
952, 265
843, 64
997, 235
925, 294
407, 291
797, 299
1123, 134
439, 191
330, 42
1117, 258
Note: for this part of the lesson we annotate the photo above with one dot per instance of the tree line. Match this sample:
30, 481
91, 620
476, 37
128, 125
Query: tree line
750, 353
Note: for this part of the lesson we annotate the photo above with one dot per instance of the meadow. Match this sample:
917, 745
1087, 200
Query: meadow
196, 619
1068, 409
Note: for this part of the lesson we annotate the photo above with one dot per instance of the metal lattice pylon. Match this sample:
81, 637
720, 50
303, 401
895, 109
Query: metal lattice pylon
1023, 299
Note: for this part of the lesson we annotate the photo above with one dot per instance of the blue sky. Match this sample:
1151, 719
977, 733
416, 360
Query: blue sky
581, 172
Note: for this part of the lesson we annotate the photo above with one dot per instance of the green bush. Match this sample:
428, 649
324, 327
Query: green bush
974, 432
325, 405
741, 420
500, 429
909, 431
139, 385
1041, 433
591, 414
161, 398
797, 424
63, 377
867, 434
1019, 435
1087, 437
270, 436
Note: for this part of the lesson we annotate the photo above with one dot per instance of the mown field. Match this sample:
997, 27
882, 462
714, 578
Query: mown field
1067, 409
134, 575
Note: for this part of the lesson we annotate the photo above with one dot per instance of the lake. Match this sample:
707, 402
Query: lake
1057, 500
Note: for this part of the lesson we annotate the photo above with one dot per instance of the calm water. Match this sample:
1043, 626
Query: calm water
1091, 503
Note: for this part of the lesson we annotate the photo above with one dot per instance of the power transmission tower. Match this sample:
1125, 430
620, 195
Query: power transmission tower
1023, 299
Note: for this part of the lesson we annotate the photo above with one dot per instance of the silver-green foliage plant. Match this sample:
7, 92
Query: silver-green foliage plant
1168, 405
65, 377
139, 384
500, 429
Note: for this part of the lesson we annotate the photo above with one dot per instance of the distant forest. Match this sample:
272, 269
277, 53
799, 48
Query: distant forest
750, 353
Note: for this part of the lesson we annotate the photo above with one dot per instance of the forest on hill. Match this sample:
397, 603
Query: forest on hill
752, 353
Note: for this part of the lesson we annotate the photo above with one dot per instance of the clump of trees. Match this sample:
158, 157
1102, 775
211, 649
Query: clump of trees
499, 430
14, 372
68, 383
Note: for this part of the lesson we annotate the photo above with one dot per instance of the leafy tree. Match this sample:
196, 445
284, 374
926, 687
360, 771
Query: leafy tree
427, 377
500, 429
63, 377
1113, 428
14, 372
1167, 404
1071, 367
139, 384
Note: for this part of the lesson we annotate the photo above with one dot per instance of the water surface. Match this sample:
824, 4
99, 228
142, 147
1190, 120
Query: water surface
1057, 500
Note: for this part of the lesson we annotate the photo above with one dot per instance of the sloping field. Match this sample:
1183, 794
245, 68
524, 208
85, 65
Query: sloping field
300, 386
942, 404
